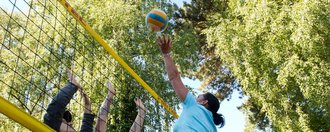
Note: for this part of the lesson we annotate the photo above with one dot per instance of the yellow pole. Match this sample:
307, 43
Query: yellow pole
18, 115
98, 38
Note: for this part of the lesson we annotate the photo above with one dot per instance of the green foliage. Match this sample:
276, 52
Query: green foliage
210, 68
279, 52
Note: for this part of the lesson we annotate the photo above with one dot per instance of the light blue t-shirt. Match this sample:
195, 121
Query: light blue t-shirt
194, 117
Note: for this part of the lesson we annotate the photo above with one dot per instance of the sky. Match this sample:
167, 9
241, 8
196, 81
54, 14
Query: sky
180, 2
234, 119
8, 5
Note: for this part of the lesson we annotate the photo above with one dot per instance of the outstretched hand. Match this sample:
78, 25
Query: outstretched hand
139, 104
165, 43
72, 79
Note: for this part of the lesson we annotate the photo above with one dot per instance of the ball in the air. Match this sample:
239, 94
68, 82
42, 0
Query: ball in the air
157, 20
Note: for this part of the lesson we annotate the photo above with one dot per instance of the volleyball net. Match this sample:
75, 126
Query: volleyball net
39, 40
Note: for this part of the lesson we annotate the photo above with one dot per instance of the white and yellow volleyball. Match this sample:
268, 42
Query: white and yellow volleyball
157, 20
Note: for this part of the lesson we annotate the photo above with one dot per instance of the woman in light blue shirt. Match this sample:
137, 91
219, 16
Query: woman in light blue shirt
198, 114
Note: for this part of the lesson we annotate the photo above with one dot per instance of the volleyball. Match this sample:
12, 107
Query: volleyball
157, 20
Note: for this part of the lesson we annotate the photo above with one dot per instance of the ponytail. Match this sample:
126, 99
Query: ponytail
213, 106
218, 119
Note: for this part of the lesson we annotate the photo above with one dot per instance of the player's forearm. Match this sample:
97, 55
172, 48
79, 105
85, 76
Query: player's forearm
174, 77
138, 122
88, 110
171, 69
105, 106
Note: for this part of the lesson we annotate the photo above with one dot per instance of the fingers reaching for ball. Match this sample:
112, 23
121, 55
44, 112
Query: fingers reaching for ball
165, 43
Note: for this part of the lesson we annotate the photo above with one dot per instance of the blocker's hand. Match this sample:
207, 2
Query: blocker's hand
72, 79
139, 104
165, 44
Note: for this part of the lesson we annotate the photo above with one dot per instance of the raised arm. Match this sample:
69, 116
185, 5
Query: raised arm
87, 103
139, 120
165, 44
101, 123
56, 108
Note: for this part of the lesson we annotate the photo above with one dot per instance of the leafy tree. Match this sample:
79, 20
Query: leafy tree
278, 51
211, 69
